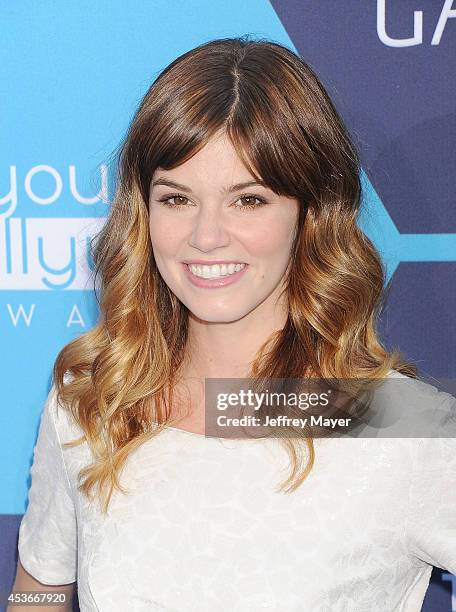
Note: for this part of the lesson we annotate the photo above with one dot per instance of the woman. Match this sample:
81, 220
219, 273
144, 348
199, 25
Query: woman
231, 251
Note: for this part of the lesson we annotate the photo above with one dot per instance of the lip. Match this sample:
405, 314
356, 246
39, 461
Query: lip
210, 262
213, 283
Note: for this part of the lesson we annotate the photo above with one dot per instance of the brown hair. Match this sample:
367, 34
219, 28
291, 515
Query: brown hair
287, 131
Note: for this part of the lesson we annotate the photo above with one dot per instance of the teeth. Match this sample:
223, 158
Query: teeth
216, 270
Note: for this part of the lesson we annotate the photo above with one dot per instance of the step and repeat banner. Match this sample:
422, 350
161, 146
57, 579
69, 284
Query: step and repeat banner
72, 74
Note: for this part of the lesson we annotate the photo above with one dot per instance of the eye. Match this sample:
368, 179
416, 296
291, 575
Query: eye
251, 201
176, 196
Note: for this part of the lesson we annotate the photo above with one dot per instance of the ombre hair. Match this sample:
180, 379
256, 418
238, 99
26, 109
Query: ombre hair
286, 130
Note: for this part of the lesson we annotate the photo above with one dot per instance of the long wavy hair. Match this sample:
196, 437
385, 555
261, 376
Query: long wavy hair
287, 131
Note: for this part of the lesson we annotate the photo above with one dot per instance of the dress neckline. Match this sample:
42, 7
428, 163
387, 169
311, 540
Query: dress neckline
186, 431
203, 435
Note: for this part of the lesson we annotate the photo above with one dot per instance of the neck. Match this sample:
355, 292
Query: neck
227, 350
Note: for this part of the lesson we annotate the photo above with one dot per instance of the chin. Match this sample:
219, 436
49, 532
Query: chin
216, 315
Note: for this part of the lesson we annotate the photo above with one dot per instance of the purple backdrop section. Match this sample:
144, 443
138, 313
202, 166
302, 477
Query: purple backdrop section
398, 101
399, 104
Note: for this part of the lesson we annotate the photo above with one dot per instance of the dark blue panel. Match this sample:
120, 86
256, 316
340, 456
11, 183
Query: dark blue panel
398, 102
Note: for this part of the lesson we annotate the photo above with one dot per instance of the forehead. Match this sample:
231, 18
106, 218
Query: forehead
217, 164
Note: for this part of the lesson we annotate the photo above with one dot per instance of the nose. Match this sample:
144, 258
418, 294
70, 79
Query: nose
209, 231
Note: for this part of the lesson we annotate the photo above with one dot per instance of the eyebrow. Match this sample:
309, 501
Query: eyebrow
236, 187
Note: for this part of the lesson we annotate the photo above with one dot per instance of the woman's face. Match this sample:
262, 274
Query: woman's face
210, 221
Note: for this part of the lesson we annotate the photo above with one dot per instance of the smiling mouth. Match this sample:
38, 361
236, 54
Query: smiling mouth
215, 271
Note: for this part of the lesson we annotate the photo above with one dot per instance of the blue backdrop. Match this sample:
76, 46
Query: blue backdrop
72, 75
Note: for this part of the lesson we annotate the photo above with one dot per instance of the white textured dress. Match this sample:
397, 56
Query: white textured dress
204, 530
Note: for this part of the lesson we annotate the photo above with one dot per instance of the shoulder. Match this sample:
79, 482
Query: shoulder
59, 415
61, 429
411, 408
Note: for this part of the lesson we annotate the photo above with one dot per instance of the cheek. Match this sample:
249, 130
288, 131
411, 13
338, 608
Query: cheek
273, 241
164, 235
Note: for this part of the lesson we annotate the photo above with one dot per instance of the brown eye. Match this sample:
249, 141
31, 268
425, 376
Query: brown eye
251, 201
167, 200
